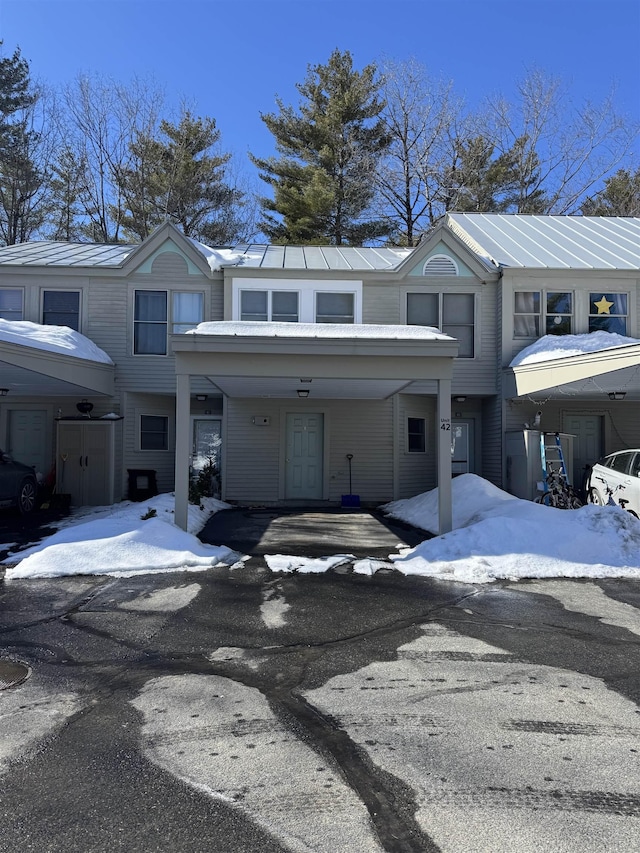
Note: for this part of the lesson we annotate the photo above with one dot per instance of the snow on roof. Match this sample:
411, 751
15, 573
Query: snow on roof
552, 242
254, 255
552, 347
60, 339
319, 330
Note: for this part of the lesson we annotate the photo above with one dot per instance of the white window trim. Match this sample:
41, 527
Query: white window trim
44, 290
21, 291
306, 289
440, 292
140, 415
410, 416
581, 307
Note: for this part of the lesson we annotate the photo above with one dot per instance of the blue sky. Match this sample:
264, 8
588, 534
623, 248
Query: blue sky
229, 59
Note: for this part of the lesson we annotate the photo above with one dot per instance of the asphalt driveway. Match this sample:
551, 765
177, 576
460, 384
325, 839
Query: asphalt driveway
310, 532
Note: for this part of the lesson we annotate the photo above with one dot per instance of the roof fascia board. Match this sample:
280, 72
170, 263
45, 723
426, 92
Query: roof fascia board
166, 231
93, 375
443, 234
529, 378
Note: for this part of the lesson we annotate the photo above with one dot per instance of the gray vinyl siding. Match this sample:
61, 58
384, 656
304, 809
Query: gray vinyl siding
417, 472
253, 457
381, 303
162, 462
491, 440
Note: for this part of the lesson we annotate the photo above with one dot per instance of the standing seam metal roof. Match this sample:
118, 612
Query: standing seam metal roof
553, 242
335, 258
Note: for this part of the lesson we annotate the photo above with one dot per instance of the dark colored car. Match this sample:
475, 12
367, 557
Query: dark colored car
18, 484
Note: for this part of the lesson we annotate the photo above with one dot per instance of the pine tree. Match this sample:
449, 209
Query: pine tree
620, 196
324, 177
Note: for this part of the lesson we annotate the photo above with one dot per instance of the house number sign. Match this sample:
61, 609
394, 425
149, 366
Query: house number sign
445, 424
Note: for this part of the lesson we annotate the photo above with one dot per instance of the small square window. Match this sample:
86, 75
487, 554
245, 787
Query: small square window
11, 304
335, 308
154, 432
416, 435
559, 313
61, 308
608, 312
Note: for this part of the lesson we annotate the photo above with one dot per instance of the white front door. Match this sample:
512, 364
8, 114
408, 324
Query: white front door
461, 447
206, 441
305, 449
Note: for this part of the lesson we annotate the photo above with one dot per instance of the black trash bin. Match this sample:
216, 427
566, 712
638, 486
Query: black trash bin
142, 484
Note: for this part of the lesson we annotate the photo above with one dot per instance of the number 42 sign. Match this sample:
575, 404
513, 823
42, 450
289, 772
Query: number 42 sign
445, 424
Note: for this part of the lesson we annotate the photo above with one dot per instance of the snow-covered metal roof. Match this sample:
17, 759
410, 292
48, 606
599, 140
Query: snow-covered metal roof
551, 242
57, 253
320, 257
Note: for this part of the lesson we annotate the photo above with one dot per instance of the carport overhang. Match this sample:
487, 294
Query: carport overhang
33, 372
570, 371
363, 361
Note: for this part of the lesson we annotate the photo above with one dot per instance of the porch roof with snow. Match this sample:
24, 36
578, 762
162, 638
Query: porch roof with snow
331, 361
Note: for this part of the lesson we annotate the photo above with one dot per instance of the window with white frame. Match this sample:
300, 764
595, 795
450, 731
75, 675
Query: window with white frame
296, 300
187, 311
608, 312
61, 308
154, 432
416, 435
11, 304
277, 306
543, 312
335, 308
452, 313
150, 322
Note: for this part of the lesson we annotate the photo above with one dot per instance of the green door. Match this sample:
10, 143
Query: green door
305, 448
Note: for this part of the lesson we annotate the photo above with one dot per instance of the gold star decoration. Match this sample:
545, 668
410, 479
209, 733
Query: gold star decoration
604, 306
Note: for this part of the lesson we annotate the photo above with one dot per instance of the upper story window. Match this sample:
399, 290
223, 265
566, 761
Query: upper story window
296, 300
187, 311
335, 307
608, 312
440, 265
150, 322
452, 313
61, 308
11, 304
278, 306
551, 311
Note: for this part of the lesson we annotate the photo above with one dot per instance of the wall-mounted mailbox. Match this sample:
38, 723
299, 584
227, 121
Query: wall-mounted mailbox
261, 420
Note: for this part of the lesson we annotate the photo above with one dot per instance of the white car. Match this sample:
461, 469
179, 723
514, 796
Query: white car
616, 478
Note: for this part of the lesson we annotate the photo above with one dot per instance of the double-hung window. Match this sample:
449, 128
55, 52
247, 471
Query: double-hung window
154, 432
548, 313
416, 435
452, 313
277, 306
11, 304
608, 312
61, 308
150, 322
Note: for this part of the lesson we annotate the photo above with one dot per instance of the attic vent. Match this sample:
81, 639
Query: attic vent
440, 265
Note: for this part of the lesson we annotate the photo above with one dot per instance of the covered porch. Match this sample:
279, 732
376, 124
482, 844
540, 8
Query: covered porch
299, 365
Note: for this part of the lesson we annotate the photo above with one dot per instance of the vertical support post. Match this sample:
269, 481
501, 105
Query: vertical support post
445, 503
183, 412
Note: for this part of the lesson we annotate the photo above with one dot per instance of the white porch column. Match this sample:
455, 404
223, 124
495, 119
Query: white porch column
445, 512
183, 412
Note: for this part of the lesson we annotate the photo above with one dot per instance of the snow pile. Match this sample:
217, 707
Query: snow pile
123, 540
498, 536
551, 347
60, 339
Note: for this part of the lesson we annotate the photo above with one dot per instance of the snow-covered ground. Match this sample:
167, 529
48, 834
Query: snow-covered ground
495, 536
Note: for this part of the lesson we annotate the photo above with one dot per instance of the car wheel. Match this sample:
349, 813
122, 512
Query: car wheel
594, 497
27, 497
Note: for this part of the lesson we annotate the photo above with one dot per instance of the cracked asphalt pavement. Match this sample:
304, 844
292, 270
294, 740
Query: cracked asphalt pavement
241, 710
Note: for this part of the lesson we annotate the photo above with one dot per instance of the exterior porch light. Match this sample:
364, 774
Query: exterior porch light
201, 397
460, 399
303, 392
4, 392
617, 395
